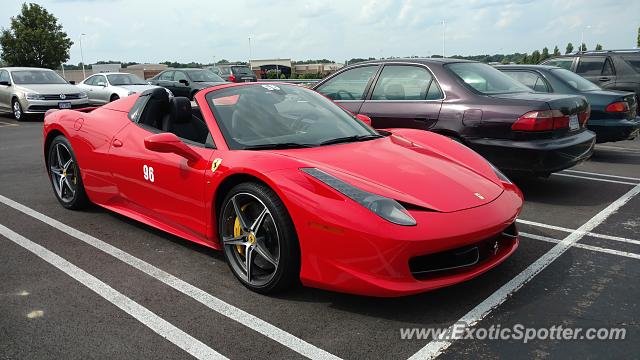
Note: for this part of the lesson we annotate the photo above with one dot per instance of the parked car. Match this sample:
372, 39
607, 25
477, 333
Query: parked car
258, 171
609, 69
107, 87
186, 82
614, 115
473, 103
25, 91
235, 73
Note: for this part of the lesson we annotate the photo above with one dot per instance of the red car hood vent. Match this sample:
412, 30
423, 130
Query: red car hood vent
413, 175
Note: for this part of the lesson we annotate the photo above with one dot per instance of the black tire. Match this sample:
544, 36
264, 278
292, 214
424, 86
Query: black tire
114, 97
287, 272
78, 199
16, 110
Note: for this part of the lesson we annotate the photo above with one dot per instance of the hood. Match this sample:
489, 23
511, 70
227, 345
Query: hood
137, 88
50, 88
401, 170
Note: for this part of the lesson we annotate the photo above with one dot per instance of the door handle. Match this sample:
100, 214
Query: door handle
604, 78
117, 143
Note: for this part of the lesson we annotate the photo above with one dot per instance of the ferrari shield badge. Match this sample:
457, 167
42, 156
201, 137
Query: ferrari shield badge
215, 163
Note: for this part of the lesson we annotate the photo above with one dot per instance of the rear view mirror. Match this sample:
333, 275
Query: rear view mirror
170, 143
5, 83
102, 84
184, 82
364, 118
72, 82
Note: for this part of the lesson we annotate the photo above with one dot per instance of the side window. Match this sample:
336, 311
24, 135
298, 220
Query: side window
167, 75
100, 80
401, 82
4, 75
591, 65
530, 79
564, 63
608, 68
633, 61
179, 75
349, 85
90, 81
434, 92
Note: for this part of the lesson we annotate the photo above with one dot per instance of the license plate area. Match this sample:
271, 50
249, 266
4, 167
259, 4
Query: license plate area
64, 105
574, 124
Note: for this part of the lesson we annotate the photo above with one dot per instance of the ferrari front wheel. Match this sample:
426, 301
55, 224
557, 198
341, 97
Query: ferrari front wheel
258, 238
65, 175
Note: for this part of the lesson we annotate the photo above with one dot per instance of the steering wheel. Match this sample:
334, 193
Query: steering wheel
340, 92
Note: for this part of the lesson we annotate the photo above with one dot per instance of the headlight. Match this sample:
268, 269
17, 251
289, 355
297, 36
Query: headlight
500, 175
386, 208
32, 96
83, 95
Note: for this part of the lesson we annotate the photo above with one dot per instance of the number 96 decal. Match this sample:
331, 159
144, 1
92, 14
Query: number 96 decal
148, 173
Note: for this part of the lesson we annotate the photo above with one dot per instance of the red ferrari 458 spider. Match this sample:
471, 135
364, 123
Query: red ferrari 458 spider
290, 186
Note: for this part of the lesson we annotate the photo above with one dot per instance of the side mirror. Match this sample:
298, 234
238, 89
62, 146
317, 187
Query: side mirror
102, 84
184, 82
72, 82
364, 118
170, 143
5, 83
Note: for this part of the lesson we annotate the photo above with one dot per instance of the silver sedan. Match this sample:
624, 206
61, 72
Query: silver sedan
106, 87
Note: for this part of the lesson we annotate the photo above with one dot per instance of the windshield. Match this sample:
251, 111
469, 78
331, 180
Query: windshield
241, 70
37, 77
125, 79
254, 116
204, 76
574, 80
486, 79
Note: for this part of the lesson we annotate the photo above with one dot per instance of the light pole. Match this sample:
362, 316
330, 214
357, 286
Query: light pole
84, 75
250, 67
444, 32
582, 37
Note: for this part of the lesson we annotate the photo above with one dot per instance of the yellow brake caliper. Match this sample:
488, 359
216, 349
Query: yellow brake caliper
237, 231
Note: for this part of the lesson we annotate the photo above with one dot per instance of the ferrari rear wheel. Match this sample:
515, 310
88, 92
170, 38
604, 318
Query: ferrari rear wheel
259, 240
65, 175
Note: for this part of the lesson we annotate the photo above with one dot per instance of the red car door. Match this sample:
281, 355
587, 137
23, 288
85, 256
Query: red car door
160, 186
404, 96
349, 88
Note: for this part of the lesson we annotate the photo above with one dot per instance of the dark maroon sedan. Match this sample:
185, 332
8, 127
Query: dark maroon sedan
515, 128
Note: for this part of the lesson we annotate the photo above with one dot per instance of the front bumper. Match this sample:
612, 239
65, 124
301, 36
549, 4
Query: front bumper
41, 106
536, 156
350, 250
614, 129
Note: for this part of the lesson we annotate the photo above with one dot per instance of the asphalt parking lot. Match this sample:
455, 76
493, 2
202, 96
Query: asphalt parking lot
93, 284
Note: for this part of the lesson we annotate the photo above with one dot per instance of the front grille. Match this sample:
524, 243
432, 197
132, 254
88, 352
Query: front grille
57, 97
461, 259
44, 108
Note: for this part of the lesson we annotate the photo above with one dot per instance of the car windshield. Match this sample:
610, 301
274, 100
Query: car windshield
241, 70
37, 77
282, 116
125, 79
204, 76
486, 79
574, 80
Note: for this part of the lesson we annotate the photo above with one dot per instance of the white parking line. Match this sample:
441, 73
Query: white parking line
618, 148
583, 246
436, 347
599, 174
298, 345
162, 327
559, 228
595, 179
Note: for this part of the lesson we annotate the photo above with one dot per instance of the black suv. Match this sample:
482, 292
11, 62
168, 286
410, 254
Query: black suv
234, 73
610, 69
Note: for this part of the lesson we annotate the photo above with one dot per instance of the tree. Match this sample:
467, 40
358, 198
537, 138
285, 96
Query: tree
535, 57
598, 47
569, 48
545, 54
524, 59
35, 38
583, 47
556, 51
638, 44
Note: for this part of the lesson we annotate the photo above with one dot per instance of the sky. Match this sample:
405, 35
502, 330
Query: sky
208, 30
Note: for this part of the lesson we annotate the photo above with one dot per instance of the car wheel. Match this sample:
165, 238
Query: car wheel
258, 239
114, 97
17, 110
64, 174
